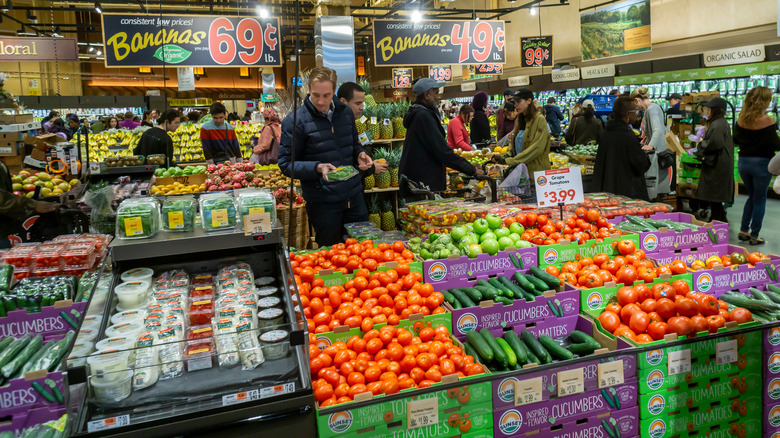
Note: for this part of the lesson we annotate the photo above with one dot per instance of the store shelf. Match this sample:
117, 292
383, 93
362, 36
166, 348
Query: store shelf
375, 190
129, 170
165, 244
386, 141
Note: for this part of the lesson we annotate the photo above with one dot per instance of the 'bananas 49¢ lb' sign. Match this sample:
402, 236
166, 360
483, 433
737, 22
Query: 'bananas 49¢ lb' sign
404, 43
137, 40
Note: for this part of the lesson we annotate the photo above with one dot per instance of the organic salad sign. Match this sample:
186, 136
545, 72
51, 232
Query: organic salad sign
558, 186
403, 42
137, 40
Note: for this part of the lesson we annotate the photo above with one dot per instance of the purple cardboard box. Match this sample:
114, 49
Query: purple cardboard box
772, 339
47, 322
439, 272
668, 239
625, 422
771, 390
771, 417
23, 420
688, 255
18, 395
493, 315
504, 390
721, 279
509, 422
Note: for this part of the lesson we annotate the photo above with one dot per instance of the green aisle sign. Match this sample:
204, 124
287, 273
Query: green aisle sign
731, 71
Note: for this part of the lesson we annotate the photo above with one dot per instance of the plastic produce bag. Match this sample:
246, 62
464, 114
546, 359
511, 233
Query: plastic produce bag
517, 182
99, 197
342, 173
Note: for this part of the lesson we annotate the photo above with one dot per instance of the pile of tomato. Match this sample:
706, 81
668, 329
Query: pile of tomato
645, 314
368, 299
348, 257
584, 225
728, 261
386, 361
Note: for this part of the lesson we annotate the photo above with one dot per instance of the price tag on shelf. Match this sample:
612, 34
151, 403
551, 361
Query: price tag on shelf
679, 362
94, 168
726, 352
108, 423
257, 223
363, 137
528, 391
240, 397
571, 382
422, 413
363, 119
273, 391
558, 186
611, 373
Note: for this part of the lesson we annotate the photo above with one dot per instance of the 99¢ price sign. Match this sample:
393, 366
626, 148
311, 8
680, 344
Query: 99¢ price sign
558, 186
536, 51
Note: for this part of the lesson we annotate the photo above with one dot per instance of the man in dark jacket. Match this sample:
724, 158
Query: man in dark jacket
620, 162
325, 138
554, 117
426, 156
674, 104
156, 141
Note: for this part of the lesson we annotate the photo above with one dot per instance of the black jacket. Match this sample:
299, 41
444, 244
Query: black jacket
716, 151
480, 127
426, 156
156, 141
320, 140
620, 162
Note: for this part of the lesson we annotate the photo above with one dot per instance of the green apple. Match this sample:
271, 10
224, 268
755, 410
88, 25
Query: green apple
63, 186
493, 220
469, 239
505, 242
502, 232
481, 226
520, 244
515, 237
487, 236
491, 246
17, 187
458, 232
48, 184
516, 228
474, 250
39, 183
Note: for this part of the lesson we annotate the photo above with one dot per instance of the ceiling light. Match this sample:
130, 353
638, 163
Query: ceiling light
7, 7
262, 12
97, 8
91, 49
368, 60
99, 53
533, 11
416, 16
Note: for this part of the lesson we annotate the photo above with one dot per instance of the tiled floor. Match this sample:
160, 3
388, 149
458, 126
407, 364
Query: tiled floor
770, 229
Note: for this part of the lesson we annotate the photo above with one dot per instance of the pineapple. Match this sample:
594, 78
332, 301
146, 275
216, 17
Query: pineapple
388, 218
368, 182
383, 179
393, 161
361, 127
374, 128
373, 211
370, 102
398, 121
385, 120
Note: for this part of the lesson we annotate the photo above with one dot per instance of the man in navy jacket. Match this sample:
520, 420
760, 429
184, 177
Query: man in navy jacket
325, 138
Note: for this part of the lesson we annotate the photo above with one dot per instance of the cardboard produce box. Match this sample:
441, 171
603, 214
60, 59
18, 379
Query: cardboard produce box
43, 142
12, 119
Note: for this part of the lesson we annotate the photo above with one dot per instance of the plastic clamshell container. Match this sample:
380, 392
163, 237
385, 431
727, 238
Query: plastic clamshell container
137, 218
217, 211
114, 387
79, 256
255, 201
266, 291
270, 318
127, 329
276, 344
105, 364
132, 294
268, 302
135, 315
138, 274
178, 213
47, 257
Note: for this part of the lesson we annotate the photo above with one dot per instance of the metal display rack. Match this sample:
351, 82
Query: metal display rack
206, 401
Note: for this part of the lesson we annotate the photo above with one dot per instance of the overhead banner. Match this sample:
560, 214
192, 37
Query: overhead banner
138, 40
38, 49
619, 29
402, 78
536, 51
402, 42
441, 73
519, 81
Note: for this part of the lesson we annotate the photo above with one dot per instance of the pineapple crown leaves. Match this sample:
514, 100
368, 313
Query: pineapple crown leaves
380, 153
387, 206
373, 204
385, 110
394, 158
366, 86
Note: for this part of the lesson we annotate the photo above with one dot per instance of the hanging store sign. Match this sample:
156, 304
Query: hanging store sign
618, 29
598, 71
402, 78
536, 51
735, 55
442, 73
519, 81
402, 42
488, 69
572, 74
198, 101
38, 49
471, 86
137, 40
185, 76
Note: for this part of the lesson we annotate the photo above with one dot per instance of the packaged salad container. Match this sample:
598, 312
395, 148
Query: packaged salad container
178, 213
254, 201
275, 344
137, 218
217, 211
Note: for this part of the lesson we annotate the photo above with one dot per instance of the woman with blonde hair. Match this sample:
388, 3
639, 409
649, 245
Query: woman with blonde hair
757, 140
653, 140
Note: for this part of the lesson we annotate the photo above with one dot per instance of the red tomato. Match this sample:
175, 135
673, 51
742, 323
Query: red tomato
626, 246
708, 305
715, 322
678, 267
740, 315
648, 305
666, 308
609, 320
681, 287
686, 307
643, 291
627, 311
680, 325
627, 295
627, 275
663, 290
700, 324
638, 322
657, 330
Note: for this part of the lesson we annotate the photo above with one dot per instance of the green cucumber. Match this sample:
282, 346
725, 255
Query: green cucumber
521, 351
487, 293
465, 301
503, 300
486, 284
551, 280
468, 349
448, 297
510, 354
498, 353
525, 284
774, 288
5, 342
472, 293
759, 294
774, 296
479, 345
535, 347
17, 362
30, 363
53, 357
16, 346
515, 289
532, 358
740, 300
539, 285
554, 348
497, 285
456, 305
582, 349
581, 337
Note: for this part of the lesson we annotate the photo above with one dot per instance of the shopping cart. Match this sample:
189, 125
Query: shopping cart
416, 191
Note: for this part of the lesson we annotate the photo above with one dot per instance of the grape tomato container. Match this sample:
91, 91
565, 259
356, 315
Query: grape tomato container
127, 329
45, 272
138, 274
132, 294
114, 387
269, 318
50, 257
276, 344
79, 256
106, 365
21, 256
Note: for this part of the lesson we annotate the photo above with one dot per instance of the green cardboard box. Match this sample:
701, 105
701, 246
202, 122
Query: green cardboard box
655, 379
749, 346
566, 252
707, 417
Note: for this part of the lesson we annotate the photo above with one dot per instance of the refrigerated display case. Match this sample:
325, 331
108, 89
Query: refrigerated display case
214, 369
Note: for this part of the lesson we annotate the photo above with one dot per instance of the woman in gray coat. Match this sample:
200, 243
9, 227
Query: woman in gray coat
659, 175
716, 152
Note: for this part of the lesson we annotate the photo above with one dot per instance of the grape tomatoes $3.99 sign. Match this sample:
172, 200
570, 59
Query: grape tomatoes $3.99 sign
558, 186
137, 40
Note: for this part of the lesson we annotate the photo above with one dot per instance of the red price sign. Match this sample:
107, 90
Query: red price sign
245, 40
440, 73
482, 36
537, 51
536, 57
489, 69
402, 78
558, 186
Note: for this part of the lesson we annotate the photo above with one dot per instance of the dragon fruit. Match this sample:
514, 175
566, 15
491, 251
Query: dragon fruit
213, 188
211, 168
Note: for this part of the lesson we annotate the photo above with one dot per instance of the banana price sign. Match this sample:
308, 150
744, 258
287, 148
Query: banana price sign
139, 40
405, 43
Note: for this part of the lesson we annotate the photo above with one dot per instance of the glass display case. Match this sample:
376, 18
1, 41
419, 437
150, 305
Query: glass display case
212, 337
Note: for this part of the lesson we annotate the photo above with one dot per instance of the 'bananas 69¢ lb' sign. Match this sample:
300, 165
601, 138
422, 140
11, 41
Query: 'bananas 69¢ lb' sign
404, 43
137, 40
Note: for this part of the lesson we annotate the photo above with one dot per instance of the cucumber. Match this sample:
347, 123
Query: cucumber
30, 363
740, 300
5, 342
29, 351
16, 346
498, 353
465, 301
532, 357
539, 285
582, 349
468, 349
554, 348
551, 280
456, 305
759, 294
774, 296
521, 351
525, 284
535, 347
472, 293
486, 284
581, 337
773, 288
503, 300
480, 346
510, 355
448, 297
497, 284
516, 290
487, 293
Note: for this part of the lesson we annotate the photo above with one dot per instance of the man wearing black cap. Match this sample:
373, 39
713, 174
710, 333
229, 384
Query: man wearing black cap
716, 152
674, 104
504, 124
426, 156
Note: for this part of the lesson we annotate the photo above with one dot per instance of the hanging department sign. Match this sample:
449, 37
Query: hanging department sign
519, 81
598, 71
736, 55
402, 42
137, 40
38, 49
572, 74
536, 51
